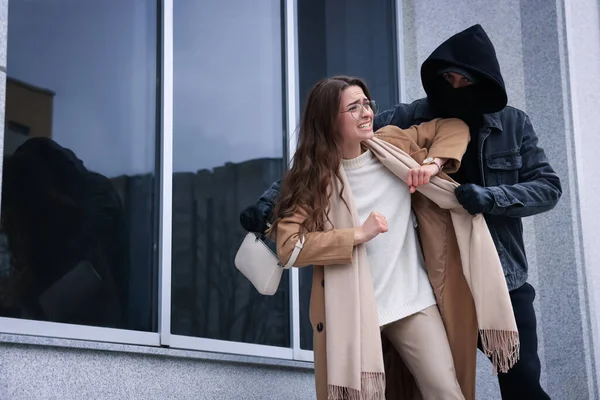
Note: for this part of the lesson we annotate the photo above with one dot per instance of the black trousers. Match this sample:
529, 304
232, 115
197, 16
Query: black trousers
523, 380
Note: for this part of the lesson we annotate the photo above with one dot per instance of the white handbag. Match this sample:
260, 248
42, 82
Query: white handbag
260, 265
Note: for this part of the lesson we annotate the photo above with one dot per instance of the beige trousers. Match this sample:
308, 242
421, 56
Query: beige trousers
421, 341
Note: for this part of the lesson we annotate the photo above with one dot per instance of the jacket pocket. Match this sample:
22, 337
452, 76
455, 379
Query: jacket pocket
503, 167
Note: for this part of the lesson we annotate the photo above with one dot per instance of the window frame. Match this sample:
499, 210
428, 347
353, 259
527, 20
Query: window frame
163, 337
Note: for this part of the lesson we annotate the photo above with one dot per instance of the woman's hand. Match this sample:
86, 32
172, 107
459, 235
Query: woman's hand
421, 175
373, 226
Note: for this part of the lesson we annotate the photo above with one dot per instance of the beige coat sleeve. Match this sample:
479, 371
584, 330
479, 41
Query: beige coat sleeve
442, 138
320, 248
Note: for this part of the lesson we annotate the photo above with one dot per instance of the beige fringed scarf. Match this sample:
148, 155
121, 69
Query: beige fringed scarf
354, 356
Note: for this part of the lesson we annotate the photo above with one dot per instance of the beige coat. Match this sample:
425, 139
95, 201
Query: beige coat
441, 255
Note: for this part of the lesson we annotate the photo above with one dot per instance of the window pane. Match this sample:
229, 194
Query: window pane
345, 37
78, 224
227, 147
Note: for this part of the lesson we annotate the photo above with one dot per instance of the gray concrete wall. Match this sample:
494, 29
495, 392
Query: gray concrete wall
530, 39
47, 369
581, 42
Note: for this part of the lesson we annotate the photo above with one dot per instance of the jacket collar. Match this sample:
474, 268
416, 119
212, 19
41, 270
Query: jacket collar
493, 121
423, 113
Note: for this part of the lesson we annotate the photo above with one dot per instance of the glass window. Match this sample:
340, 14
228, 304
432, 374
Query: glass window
227, 147
345, 37
78, 197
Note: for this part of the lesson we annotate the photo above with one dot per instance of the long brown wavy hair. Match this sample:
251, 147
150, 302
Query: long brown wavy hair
318, 155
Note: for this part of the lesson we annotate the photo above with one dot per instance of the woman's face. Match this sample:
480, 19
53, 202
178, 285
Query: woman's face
355, 120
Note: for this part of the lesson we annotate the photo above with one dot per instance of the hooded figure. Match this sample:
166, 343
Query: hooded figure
471, 54
504, 174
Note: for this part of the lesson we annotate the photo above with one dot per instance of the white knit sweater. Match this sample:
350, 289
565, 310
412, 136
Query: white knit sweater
396, 261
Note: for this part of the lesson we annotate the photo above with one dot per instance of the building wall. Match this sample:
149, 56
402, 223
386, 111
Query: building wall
28, 113
530, 39
582, 45
49, 371
550, 56
30, 107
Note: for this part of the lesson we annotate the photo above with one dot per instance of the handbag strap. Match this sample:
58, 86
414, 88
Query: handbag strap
297, 248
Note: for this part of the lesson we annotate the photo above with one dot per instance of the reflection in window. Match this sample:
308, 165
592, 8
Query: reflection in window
227, 147
344, 37
77, 216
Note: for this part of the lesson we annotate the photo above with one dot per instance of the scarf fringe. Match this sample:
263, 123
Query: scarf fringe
372, 387
503, 347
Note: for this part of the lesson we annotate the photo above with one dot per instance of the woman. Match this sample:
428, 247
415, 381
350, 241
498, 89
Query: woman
344, 195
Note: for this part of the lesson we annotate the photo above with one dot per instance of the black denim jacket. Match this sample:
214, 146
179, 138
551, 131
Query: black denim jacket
513, 167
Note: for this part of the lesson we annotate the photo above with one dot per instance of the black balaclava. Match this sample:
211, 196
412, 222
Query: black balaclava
472, 54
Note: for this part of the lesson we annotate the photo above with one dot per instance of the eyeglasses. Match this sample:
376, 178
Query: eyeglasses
357, 110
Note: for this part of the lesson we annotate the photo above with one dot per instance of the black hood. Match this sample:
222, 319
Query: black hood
472, 51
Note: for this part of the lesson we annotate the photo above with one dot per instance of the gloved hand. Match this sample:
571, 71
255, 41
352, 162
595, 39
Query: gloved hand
254, 218
475, 199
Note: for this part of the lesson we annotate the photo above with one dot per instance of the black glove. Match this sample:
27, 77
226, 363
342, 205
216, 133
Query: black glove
254, 218
475, 199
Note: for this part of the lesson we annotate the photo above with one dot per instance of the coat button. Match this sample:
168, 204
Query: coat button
508, 164
323, 283
319, 327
